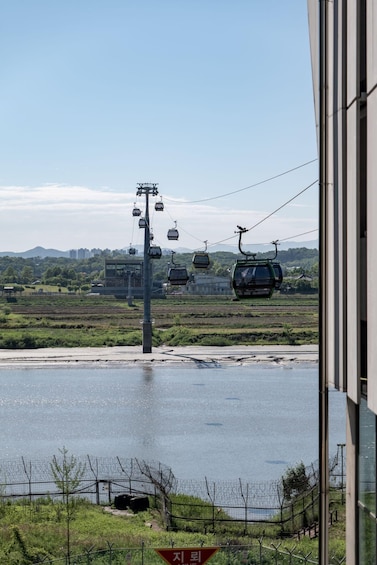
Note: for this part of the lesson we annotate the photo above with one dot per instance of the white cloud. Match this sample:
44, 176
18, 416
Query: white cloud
66, 217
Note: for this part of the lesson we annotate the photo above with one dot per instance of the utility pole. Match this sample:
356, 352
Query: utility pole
147, 188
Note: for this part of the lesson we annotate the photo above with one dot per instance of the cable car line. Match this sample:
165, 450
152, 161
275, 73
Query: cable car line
298, 235
282, 206
246, 187
268, 216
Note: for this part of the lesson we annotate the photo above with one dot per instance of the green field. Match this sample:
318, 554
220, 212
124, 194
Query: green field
64, 320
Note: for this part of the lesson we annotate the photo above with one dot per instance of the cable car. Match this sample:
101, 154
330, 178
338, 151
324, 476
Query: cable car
155, 252
142, 223
201, 260
177, 275
278, 275
159, 206
136, 211
173, 233
151, 236
253, 279
131, 251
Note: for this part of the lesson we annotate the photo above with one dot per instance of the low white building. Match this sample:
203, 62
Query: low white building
205, 284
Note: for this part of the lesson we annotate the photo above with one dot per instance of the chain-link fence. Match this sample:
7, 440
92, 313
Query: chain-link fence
216, 507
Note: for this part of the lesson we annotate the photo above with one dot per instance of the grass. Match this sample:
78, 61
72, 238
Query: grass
62, 320
31, 530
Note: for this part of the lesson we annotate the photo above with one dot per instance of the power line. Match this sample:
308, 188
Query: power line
246, 187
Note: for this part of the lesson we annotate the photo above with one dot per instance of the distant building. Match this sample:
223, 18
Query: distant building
208, 284
73, 254
83, 253
124, 277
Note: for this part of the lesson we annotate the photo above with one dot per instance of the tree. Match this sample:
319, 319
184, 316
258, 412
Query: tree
67, 473
27, 275
10, 275
295, 481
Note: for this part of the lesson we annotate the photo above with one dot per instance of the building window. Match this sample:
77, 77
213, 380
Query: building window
367, 484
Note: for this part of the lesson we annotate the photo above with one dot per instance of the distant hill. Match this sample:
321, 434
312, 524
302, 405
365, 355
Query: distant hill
35, 252
284, 246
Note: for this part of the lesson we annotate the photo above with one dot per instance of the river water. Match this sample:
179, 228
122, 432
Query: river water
220, 422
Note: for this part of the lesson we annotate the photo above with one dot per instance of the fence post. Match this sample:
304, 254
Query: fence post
260, 541
276, 548
110, 552
97, 492
142, 553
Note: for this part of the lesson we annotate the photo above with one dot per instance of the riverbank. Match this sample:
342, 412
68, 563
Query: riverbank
120, 355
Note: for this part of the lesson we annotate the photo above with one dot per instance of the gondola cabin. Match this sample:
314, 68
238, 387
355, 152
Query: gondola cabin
201, 260
177, 275
278, 275
142, 223
136, 211
131, 251
155, 252
253, 279
159, 206
173, 234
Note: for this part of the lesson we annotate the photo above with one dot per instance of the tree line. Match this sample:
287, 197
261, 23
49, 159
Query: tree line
76, 273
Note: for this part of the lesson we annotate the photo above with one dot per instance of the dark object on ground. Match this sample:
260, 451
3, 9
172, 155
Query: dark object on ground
122, 501
139, 503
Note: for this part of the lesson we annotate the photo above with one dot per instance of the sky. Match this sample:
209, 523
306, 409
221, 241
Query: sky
207, 98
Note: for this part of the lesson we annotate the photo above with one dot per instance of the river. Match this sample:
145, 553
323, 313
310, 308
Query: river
227, 422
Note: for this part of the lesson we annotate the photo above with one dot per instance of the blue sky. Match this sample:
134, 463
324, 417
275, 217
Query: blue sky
203, 97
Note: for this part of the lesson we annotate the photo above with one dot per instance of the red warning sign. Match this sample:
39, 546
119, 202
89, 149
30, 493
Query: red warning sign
187, 555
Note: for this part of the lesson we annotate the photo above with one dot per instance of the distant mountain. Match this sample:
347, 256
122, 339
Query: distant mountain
36, 252
284, 246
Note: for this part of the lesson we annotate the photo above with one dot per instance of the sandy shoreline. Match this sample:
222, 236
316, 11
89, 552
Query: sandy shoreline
235, 355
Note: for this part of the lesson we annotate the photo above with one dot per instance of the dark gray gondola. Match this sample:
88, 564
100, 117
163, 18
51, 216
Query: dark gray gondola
136, 211
142, 223
201, 260
173, 234
177, 275
155, 252
131, 251
278, 275
159, 206
253, 279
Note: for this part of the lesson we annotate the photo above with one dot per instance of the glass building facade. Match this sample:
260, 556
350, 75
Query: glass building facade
343, 38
